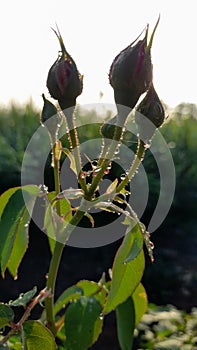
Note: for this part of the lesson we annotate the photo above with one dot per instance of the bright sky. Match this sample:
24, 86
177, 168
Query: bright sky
94, 32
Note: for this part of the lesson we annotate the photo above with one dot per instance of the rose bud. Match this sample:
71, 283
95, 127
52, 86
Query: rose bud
131, 71
149, 114
64, 82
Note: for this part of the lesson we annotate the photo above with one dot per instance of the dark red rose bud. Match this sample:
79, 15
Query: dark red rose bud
131, 72
64, 82
150, 109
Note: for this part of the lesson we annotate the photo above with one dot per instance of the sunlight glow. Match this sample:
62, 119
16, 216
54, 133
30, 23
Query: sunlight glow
94, 32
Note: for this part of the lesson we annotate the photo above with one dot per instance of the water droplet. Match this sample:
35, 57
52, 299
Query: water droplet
26, 225
106, 171
117, 151
82, 175
122, 177
96, 170
152, 246
16, 277
109, 166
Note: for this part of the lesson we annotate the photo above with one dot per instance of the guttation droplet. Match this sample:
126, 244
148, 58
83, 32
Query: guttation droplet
122, 177
152, 246
109, 166
82, 175
96, 170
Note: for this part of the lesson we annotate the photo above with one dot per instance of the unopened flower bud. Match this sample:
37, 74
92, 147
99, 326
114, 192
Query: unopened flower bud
131, 72
64, 82
149, 109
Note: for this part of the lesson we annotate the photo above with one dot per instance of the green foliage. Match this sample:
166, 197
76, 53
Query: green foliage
35, 336
24, 298
83, 306
81, 323
66, 297
14, 223
53, 224
125, 316
140, 302
123, 271
6, 315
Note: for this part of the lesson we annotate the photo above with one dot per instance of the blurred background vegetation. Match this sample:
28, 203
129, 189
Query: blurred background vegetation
172, 278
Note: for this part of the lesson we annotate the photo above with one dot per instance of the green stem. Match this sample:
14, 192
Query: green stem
134, 166
56, 257
55, 261
53, 270
109, 154
58, 249
74, 145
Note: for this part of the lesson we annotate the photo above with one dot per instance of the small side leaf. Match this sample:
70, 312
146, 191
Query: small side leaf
53, 223
125, 275
24, 298
81, 323
4, 198
6, 315
88, 287
125, 317
67, 296
136, 246
91, 288
72, 160
70, 193
35, 336
112, 187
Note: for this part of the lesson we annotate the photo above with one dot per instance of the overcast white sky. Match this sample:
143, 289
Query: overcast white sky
94, 32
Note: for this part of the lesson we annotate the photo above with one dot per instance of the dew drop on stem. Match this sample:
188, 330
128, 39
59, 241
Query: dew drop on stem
122, 177
82, 175
117, 151
96, 170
